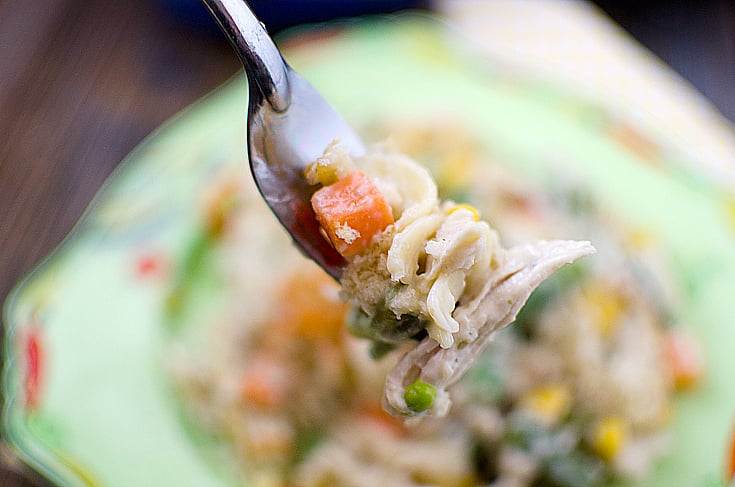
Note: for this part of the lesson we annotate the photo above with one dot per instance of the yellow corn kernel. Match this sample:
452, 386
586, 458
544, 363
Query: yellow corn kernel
641, 239
334, 164
267, 478
548, 404
728, 202
456, 171
607, 305
470, 208
609, 436
321, 172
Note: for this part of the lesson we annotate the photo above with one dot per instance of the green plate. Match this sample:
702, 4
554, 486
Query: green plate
87, 399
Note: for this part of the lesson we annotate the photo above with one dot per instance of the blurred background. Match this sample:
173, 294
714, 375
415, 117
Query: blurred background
82, 82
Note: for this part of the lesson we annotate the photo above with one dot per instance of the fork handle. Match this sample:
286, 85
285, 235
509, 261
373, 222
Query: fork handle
264, 66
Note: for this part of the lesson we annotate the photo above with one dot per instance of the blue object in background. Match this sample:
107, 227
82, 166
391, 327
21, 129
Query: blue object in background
281, 14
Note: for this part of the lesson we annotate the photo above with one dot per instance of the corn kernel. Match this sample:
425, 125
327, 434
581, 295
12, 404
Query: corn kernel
470, 208
321, 172
729, 208
266, 478
548, 404
609, 436
334, 164
607, 305
640, 239
455, 173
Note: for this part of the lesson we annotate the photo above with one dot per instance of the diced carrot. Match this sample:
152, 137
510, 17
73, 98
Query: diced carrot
685, 359
265, 383
730, 472
351, 211
313, 309
378, 420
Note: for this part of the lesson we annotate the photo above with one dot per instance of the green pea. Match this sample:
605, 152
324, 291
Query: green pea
419, 396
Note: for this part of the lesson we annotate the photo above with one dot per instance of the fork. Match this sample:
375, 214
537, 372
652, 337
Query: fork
289, 125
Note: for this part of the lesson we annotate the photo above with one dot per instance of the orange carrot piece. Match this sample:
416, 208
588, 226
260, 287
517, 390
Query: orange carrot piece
351, 211
314, 311
685, 359
730, 473
377, 419
265, 383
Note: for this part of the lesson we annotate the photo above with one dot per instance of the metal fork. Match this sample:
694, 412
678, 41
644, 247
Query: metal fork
289, 126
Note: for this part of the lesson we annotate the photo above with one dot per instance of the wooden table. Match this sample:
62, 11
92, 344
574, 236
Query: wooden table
82, 82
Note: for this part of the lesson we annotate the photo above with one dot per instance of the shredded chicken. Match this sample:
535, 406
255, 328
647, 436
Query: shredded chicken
520, 271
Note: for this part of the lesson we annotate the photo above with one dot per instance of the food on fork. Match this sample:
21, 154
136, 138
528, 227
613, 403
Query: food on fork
424, 270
